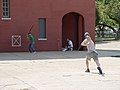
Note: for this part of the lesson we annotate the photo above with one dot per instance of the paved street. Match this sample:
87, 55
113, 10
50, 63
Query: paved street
60, 70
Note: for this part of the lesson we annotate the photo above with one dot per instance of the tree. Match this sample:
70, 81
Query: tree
113, 11
108, 14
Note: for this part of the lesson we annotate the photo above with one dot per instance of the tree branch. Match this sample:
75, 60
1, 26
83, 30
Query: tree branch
109, 27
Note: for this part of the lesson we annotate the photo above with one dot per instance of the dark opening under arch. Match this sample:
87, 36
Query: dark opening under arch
72, 28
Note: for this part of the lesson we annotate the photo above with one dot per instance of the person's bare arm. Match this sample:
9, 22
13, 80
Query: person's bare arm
84, 43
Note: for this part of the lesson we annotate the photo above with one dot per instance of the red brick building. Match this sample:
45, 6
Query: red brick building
53, 21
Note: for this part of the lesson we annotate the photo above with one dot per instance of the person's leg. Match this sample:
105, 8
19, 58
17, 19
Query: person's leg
29, 48
68, 49
87, 65
100, 70
71, 49
32, 47
97, 63
95, 57
98, 66
88, 58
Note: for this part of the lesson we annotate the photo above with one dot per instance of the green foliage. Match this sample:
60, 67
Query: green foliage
113, 10
104, 9
108, 12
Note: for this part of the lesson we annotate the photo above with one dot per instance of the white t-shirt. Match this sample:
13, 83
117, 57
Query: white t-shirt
89, 43
90, 46
70, 43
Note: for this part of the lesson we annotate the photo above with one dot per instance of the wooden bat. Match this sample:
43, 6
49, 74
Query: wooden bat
30, 29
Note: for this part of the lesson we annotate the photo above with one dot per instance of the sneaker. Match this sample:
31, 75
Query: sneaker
34, 52
100, 71
88, 70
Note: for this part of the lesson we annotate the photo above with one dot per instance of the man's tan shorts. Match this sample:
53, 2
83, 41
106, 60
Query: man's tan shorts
93, 55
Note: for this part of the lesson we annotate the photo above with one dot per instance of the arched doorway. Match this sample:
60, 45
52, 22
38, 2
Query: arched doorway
72, 28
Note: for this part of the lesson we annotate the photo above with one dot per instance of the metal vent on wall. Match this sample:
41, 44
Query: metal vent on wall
16, 40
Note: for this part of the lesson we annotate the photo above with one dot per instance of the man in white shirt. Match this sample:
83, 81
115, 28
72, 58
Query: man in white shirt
92, 53
69, 45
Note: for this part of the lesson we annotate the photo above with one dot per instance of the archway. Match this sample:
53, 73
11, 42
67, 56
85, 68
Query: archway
72, 28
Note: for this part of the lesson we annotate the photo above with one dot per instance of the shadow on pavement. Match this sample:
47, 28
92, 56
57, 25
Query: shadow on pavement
50, 55
42, 55
108, 53
102, 42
